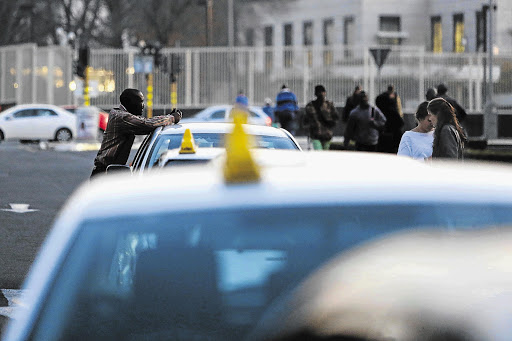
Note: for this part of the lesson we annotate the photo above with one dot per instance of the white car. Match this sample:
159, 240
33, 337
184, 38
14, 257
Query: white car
221, 113
205, 135
204, 252
37, 122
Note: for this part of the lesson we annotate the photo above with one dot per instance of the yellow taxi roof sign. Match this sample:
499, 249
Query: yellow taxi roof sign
188, 145
240, 166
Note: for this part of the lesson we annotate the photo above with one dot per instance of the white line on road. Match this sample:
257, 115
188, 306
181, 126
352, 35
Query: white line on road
19, 208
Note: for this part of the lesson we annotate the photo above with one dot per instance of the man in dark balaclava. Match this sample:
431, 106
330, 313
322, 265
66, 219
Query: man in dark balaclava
321, 117
124, 123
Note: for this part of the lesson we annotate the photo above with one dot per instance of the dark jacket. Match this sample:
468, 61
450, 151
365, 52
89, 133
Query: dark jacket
120, 134
459, 111
321, 119
451, 144
363, 126
351, 103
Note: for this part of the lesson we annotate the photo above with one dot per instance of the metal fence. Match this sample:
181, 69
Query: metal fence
211, 76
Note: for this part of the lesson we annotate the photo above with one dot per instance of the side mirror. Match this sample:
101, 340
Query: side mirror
118, 169
8, 118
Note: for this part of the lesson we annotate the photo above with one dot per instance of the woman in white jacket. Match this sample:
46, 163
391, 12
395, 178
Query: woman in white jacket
417, 142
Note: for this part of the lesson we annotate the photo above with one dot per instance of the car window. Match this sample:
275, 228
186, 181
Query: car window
217, 115
45, 112
173, 141
212, 275
253, 114
25, 113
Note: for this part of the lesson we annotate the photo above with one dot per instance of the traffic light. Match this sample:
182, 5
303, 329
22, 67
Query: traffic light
82, 62
176, 64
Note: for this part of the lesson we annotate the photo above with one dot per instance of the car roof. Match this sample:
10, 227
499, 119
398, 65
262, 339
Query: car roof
292, 178
220, 127
34, 106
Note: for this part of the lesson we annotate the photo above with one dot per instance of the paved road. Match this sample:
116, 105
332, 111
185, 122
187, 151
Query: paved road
42, 179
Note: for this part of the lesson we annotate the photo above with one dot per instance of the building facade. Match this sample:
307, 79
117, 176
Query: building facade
438, 25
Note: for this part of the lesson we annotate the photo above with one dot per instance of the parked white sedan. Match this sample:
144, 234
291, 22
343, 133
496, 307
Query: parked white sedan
221, 113
37, 122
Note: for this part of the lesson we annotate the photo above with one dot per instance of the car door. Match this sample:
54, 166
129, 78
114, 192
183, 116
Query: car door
48, 122
20, 125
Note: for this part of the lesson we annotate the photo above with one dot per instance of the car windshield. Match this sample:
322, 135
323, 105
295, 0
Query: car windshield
211, 275
165, 142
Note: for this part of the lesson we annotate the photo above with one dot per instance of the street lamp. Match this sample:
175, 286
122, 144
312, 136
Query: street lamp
490, 117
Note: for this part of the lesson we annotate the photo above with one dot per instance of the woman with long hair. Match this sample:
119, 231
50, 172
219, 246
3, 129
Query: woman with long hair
449, 137
417, 142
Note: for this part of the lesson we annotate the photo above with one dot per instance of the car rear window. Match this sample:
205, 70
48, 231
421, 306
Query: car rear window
165, 142
211, 275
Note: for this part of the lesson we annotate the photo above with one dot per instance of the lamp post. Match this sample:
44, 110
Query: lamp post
209, 22
490, 117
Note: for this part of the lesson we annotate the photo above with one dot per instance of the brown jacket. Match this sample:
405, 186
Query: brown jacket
321, 119
120, 134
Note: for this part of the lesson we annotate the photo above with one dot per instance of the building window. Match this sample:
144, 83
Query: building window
481, 32
288, 42
459, 41
249, 37
348, 35
437, 35
328, 41
390, 24
308, 40
269, 41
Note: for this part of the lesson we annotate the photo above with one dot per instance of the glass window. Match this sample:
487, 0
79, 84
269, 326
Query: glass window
328, 41
348, 35
221, 114
390, 24
481, 32
308, 40
249, 37
288, 42
211, 275
437, 35
269, 41
45, 112
25, 113
141, 151
459, 40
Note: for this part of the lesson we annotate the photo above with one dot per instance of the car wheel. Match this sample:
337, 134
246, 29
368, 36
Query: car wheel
63, 135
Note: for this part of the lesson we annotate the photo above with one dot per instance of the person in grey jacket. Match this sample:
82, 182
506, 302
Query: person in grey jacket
449, 137
364, 125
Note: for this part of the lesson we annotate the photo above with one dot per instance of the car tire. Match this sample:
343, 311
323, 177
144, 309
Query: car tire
2, 136
63, 135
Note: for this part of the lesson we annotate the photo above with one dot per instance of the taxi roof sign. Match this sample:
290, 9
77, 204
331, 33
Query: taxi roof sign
188, 145
240, 166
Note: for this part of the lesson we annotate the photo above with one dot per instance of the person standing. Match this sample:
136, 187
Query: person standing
430, 94
389, 104
417, 143
363, 126
124, 123
449, 137
321, 117
442, 91
351, 103
269, 109
286, 109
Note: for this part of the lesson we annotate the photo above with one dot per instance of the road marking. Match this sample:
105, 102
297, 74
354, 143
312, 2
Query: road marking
19, 208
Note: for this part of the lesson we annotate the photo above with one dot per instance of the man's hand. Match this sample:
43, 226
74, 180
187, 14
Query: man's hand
177, 114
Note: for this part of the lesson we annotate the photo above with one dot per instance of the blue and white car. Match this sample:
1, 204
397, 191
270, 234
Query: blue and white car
206, 135
207, 251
